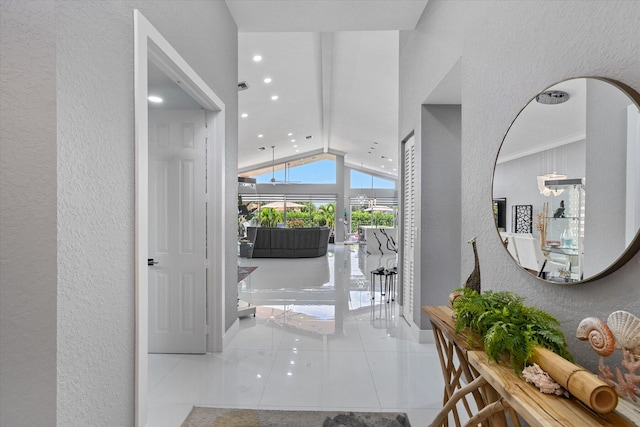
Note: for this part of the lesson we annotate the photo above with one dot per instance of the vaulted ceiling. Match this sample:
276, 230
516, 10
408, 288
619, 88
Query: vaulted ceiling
334, 68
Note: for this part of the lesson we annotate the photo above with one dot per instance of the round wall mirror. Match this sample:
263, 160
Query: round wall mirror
566, 183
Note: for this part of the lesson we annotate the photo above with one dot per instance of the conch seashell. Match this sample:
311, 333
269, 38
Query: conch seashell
626, 331
599, 335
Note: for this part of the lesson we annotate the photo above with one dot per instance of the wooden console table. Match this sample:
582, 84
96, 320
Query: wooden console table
495, 388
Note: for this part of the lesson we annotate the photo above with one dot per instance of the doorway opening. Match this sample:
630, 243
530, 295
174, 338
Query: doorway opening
151, 47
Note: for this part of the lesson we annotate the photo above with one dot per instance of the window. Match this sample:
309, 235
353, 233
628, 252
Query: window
315, 172
365, 180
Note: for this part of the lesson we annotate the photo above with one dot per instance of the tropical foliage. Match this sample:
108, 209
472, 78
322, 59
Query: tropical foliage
381, 219
270, 217
328, 215
508, 327
309, 215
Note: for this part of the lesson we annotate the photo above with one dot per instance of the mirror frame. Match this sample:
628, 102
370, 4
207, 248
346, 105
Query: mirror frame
633, 247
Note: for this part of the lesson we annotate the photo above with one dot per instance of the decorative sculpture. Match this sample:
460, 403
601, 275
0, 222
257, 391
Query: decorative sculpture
621, 331
473, 281
559, 213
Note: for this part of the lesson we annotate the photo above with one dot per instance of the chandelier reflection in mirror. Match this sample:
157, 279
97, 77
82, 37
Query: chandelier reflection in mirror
551, 97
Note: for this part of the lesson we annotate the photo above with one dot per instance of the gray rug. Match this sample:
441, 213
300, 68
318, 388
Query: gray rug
226, 417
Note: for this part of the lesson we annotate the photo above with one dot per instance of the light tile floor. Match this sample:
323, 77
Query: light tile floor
318, 342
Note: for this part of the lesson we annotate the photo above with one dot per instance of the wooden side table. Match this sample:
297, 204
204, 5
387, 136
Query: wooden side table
496, 389
452, 350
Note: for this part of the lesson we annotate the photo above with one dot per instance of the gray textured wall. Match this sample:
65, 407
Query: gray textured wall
439, 154
511, 51
27, 214
516, 179
92, 45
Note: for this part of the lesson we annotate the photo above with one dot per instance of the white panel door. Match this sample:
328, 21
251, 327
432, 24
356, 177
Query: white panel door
177, 239
409, 228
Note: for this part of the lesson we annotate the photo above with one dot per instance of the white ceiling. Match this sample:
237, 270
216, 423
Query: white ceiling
172, 94
334, 66
540, 127
325, 15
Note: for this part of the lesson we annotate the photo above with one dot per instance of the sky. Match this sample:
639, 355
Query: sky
324, 172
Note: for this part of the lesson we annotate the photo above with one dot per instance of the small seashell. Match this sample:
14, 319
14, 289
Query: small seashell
626, 331
598, 334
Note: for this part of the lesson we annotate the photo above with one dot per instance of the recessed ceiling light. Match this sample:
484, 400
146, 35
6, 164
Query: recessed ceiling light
289, 134
257, 58
274, 97
297, 151
391, 160
244, 115
293, 140
267, 80
260, 136
155, 99
394, 169
382, 166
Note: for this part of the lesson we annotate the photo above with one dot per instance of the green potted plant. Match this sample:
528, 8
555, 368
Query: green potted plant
508, 327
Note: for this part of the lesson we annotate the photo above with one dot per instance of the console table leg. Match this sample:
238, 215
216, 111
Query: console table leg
451, 403
487, 412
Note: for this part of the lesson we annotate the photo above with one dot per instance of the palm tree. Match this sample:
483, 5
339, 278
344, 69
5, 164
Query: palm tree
270, 217
329, 214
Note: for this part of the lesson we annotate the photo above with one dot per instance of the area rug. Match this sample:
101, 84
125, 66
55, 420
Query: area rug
226, 417
243, 272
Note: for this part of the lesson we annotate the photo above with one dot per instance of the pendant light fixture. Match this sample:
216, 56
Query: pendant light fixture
273, 165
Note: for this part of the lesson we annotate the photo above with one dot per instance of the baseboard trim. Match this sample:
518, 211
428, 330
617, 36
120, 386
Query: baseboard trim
423, 336
230, 333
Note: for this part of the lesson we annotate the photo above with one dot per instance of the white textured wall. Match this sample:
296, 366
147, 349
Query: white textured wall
95, 213
606, 166
27, 214
90, 46
511, 51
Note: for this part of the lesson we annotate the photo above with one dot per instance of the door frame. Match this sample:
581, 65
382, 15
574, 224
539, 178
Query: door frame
149, 44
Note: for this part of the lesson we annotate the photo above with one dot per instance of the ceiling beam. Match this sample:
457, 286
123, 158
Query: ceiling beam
326, 58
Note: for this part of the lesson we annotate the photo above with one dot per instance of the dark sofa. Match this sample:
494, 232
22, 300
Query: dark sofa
288, 242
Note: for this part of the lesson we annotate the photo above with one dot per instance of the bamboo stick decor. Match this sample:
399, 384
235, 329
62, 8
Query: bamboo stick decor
581, 383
